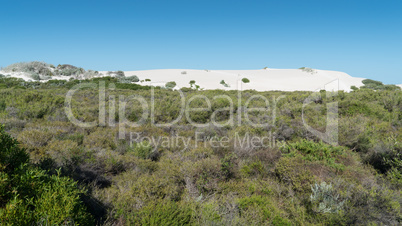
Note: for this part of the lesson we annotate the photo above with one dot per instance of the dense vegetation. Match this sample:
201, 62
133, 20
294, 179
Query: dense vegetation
85, 174
31, 195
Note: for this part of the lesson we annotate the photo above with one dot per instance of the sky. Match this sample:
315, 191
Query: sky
361, 38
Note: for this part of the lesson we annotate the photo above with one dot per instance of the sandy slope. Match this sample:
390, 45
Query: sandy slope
400, 85
26, 76
260, 80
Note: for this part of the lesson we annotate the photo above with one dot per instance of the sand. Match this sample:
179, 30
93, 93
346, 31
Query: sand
260, 80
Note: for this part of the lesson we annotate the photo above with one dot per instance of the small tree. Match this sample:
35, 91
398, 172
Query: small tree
245, 80
354, 88
170, 85
224, 83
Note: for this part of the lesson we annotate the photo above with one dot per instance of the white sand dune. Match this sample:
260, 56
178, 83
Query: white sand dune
260, 80
27, 77
400, 85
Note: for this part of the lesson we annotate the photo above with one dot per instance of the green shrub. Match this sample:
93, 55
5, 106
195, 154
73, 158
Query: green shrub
377, 85
252, 169
259, 210
129, 79
30, 196
142, 150
324, 199
307, 69
224, 83
11, 156
313, 151
164, 213
35, 77
2, 105
245, 80
294, 172
354, 88
170, 85
35, 67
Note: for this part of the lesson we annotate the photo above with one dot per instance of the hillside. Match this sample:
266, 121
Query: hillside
303, 79
260, 80
194, 171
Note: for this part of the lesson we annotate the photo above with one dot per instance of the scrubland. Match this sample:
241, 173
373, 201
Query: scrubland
54, 172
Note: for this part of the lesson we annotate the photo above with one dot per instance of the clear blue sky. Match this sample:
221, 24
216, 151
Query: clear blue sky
361, 38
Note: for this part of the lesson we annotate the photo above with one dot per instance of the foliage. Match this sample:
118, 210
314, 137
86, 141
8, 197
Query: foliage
324, 199
35, 67
129, 79
170, 85
245, 80
193, 180
142, 150
377, 85
224, 83
30, 196
308, 70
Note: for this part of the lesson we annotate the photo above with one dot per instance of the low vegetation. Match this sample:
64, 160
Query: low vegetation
308, 70
224, 83
193, 85
170, 85
30, 195
377, 85
53, 172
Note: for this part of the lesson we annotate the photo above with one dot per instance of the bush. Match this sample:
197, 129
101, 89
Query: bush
129, 79
331, 156
142, 150
224, 83
260, 210
293, 171
31, 68
377, 85
2, 105
30, 196
324, 199
164, 213
354, 88
245, 80
170, 85
307, 69
11, 156
120, 74
68, 70
35, 77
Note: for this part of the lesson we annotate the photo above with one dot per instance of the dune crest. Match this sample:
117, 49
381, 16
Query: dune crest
260, 80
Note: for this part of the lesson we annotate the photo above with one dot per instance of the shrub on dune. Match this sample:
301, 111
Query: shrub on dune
31, 68
170, 85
